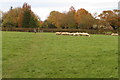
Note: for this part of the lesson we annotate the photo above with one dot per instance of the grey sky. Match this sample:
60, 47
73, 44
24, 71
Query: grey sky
43, 7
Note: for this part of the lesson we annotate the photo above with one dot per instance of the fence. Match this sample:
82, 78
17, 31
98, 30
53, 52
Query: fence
59, 30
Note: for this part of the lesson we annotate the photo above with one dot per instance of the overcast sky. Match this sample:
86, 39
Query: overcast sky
43, 7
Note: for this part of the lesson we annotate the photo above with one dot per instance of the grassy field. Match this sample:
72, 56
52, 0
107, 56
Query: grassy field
46, 55
0, 54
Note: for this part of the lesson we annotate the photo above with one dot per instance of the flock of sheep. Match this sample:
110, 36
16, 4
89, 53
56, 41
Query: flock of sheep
114, 34
73, 34
79, 34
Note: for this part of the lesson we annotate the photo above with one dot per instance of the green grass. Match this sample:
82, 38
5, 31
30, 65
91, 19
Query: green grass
46, 55
0, 54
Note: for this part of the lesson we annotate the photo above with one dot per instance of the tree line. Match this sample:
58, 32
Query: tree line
73, 19
21, 17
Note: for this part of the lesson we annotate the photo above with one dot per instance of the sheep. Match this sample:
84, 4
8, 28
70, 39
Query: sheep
58, 33
114, 34
72, 34
81, 34
85, 34
75, 34
64, 33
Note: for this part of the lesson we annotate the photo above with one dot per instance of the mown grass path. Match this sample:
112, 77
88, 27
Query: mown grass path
46, 55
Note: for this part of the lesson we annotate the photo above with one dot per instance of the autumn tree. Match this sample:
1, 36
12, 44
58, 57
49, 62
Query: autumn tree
111, 18
55, 18
21, 17
69, 18
84, 19
10, 19
63, 20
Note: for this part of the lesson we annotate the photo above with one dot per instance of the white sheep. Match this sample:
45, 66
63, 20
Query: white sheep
114, 34
85, 34
72, 34
58, 33
64, 33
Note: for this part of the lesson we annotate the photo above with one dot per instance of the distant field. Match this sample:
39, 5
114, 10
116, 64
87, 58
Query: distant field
46, 55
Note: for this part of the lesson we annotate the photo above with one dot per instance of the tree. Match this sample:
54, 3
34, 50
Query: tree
29, 18
84, 19
55, 18
10, 19
69, 18
26, 18
48, 24
111, 17
63, 20
34, 22
21, 17
1, 13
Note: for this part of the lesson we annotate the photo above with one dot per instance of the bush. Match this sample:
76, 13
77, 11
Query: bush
59, 30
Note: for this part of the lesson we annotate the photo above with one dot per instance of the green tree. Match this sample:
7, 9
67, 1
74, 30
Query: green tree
30, 20
26, 19
47, 24
34, 23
